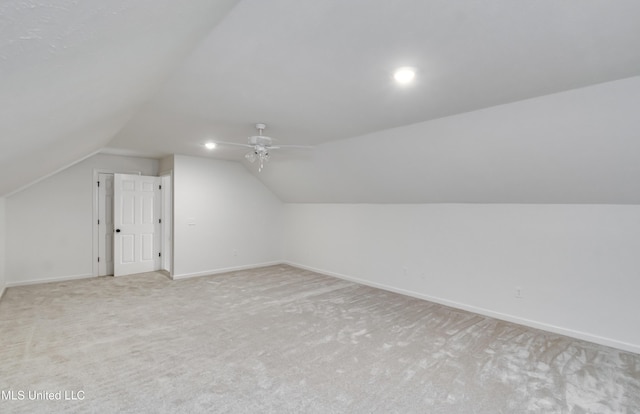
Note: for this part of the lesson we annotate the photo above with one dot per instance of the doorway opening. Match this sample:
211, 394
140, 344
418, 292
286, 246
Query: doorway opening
132, 223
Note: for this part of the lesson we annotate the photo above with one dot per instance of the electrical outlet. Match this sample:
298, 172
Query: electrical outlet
519, 293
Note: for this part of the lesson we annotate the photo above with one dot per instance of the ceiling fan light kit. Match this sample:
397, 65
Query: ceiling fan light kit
260, 146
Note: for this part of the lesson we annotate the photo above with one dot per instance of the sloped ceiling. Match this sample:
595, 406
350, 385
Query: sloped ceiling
579, 146
513, 101
74, 72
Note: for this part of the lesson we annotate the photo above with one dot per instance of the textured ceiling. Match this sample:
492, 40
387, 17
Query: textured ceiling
74, 72
160, 77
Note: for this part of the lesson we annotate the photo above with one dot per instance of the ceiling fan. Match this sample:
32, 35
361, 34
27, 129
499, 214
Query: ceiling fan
261, 146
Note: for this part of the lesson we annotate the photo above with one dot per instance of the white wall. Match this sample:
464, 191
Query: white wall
166, 164
50, 224
224, 218
578, 265
2, 246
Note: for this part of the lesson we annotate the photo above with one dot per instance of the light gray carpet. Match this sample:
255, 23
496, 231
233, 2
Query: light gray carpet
284, 340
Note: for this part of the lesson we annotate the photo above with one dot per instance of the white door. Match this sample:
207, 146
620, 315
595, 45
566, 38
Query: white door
105, 224
136, 220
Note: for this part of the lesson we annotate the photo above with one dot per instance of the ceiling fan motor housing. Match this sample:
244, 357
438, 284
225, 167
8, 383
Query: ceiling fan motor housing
260, 140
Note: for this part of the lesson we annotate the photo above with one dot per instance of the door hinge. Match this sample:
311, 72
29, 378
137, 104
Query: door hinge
98, 222
98, 183
159, 254
160, 187
159, 220
98, 260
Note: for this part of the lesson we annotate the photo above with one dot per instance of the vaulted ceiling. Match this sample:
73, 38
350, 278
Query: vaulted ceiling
73, 73
531, 102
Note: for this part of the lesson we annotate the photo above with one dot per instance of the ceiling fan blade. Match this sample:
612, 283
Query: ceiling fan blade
233, 144
308, 147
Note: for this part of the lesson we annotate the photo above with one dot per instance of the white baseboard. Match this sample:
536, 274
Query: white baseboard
55, 279
224, 270
482, 311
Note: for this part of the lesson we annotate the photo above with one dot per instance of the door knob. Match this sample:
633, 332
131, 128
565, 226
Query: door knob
117, 230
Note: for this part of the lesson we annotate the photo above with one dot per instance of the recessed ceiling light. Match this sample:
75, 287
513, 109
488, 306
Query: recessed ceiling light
404, 75
210, 145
